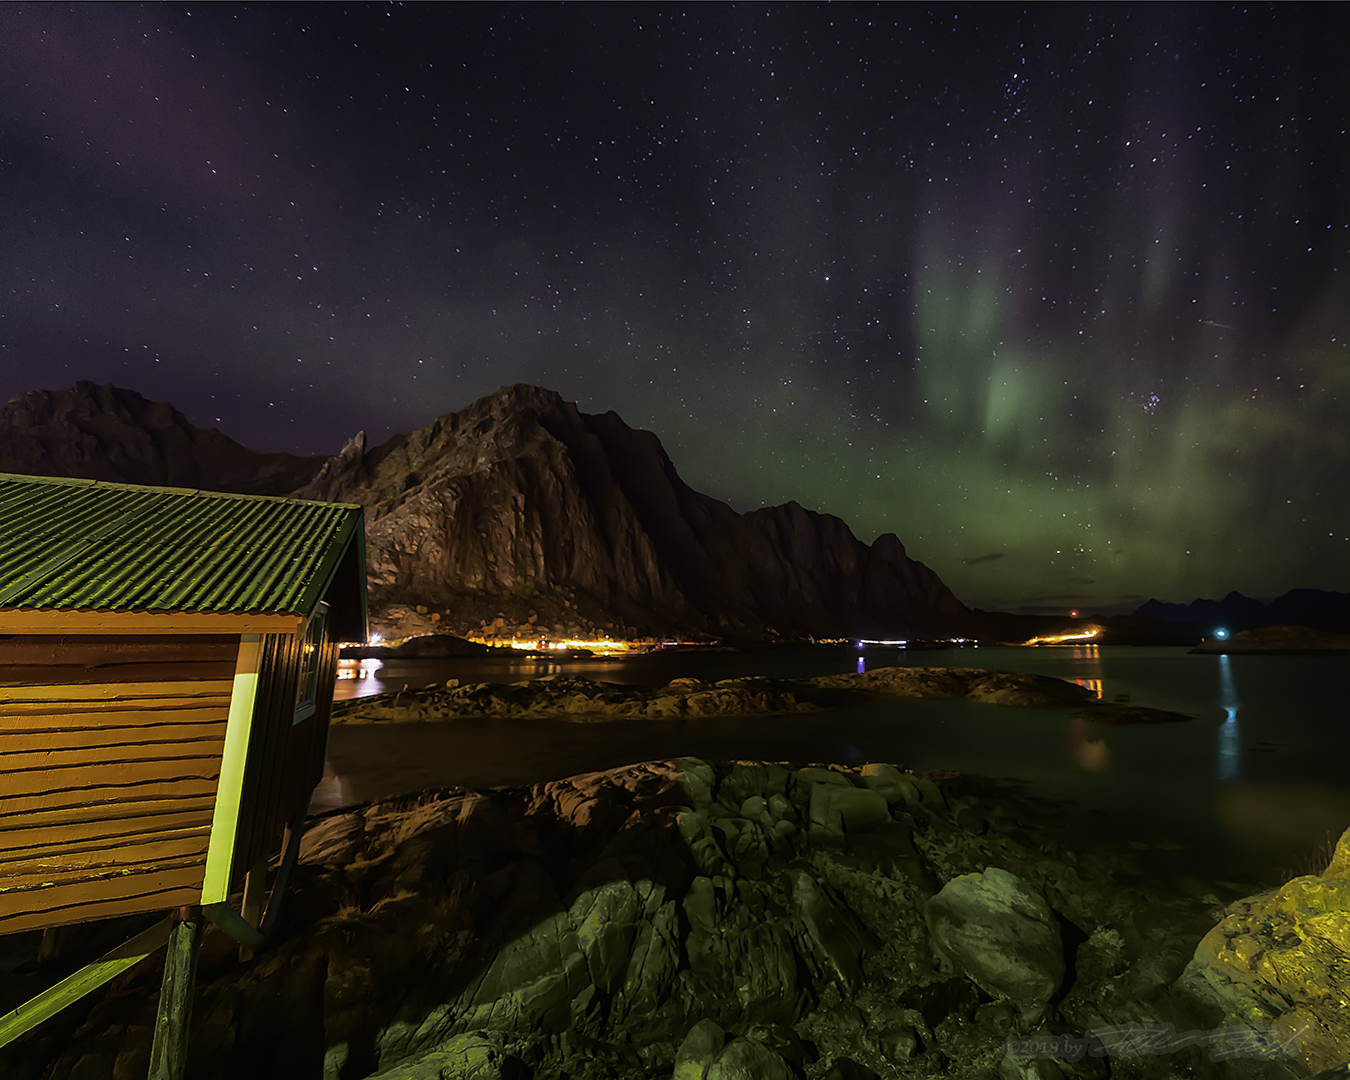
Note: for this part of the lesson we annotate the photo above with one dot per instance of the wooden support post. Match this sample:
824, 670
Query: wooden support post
53, 944
173, 1021
255, 892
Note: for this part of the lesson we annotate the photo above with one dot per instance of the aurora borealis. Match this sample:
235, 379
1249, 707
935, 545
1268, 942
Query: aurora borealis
1058, 296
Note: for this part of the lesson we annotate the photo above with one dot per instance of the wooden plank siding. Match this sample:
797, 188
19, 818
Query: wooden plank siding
109, 757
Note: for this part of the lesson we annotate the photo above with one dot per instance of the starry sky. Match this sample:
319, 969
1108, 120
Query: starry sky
1059, 295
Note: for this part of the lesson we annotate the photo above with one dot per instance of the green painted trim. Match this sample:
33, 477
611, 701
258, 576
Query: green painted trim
88, 979
229, 790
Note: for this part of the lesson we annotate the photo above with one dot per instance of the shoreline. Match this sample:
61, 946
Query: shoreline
578, 700
620, 922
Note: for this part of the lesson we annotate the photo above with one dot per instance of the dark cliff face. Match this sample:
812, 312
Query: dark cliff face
106, 433
520, 504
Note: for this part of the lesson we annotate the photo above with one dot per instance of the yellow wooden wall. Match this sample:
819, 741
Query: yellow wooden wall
109, 757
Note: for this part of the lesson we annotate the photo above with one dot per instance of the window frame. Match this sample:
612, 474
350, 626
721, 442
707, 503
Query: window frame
312, 639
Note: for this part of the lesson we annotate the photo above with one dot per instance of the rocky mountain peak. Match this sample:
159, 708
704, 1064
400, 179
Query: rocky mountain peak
521, 507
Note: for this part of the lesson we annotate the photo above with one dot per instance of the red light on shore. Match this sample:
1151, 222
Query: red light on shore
1073, 614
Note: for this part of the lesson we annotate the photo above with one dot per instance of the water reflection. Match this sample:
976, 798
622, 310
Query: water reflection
1254, 813
1087, 753
332, 791
1088, 660
1229, 735
359, 669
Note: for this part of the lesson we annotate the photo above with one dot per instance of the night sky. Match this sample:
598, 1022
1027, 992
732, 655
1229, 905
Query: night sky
1061, 296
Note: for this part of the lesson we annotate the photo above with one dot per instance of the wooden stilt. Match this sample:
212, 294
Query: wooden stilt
173, 1021
255, 892
53, 945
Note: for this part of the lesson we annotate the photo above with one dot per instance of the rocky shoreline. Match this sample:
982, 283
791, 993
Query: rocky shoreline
749, 919
583, 700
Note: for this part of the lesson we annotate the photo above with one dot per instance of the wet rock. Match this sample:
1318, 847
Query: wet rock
1001, 934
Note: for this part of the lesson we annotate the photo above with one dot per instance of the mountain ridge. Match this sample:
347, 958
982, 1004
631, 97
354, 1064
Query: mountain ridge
1318, 609
105, 432
597, 520
520, 516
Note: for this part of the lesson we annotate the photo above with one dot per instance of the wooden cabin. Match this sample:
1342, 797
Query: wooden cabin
167, 661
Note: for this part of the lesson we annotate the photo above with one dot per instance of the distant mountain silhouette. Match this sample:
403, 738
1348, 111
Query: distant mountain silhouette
1315, 608
107, 433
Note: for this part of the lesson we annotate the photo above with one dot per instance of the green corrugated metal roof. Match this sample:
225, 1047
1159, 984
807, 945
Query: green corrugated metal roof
123, 547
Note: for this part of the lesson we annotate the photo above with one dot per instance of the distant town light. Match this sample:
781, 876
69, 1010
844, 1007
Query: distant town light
1059, 639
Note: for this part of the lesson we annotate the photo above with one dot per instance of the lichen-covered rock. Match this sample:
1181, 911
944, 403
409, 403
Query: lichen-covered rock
1282, 960
1001, 934
462, 1057
699, 1050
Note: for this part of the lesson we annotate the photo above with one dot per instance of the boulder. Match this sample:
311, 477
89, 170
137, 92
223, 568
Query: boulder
1001, 935
854, 810
748, 1059
699, 1050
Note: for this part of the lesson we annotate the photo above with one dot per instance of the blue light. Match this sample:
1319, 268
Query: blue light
1221, 634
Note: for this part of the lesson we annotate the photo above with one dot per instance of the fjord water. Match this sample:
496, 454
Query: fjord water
1252, 786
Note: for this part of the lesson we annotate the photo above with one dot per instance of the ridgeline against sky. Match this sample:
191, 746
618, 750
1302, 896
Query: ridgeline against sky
1058, 296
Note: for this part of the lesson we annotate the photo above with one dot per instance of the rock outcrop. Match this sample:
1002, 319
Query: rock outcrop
1282, 959
587, 701
687, 919
107, 433
520, 515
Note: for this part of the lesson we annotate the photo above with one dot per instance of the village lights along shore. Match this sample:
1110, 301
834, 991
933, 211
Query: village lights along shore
1061, 639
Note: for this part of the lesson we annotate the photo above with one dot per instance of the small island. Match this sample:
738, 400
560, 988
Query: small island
1280, 641
585, 701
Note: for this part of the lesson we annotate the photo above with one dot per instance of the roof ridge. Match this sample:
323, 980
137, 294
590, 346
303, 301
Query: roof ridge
77, 481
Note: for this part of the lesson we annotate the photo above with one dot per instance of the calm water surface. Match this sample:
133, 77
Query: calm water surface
1250, 787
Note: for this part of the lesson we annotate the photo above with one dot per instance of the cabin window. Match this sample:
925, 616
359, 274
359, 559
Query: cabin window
311, 648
